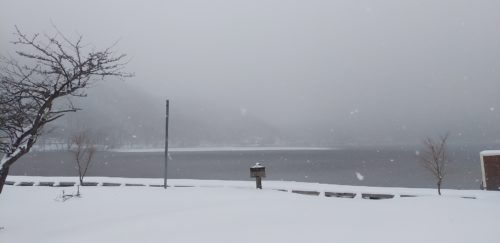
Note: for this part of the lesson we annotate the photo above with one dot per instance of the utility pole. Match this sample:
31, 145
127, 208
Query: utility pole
166, 147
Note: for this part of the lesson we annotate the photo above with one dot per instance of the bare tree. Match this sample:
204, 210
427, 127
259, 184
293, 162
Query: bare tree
434, 158
83, 149
31, 88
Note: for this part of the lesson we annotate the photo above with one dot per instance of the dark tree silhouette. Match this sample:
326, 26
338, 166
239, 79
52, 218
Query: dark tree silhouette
33, 84
83, 149
434, 158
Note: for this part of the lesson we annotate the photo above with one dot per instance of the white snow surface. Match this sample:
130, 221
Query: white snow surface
490, 152
234, 211
258, 165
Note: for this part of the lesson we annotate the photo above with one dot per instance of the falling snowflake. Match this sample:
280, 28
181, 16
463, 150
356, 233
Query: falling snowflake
243, 111
359, 176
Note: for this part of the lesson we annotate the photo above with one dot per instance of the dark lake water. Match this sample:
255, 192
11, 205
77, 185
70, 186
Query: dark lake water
387, 166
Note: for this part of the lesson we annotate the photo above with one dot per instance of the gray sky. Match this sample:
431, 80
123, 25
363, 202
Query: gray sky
380, 70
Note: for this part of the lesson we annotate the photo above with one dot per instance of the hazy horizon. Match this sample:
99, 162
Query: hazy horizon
290, 72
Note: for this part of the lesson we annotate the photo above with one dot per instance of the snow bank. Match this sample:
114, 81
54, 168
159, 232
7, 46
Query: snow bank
233, 211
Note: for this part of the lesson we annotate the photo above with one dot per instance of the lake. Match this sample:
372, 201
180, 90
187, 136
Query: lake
366, 166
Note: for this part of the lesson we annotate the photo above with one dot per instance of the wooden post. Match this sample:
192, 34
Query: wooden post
258, 171
258, 181
166, 146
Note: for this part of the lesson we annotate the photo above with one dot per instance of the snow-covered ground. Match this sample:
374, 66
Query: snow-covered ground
233, 211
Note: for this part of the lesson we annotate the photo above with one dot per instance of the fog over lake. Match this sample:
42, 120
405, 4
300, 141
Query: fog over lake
289, 73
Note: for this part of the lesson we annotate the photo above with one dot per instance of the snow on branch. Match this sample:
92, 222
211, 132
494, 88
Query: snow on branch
46, 69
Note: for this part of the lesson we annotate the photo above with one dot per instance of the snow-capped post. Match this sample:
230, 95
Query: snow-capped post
258, 171
166, 146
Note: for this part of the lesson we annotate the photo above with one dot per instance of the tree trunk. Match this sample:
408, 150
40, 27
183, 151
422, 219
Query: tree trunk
3, 177
439, 187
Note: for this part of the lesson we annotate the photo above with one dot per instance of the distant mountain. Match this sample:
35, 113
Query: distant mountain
119, 115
